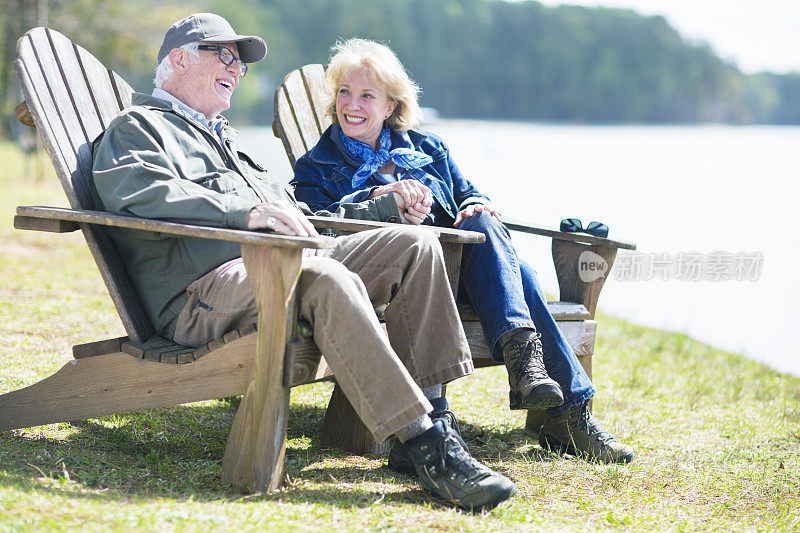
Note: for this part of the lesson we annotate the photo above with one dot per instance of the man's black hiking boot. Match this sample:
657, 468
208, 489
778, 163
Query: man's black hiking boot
399, 461
577, 433
447, 470
529, 385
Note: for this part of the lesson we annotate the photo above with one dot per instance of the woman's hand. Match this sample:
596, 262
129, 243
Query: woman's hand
411, 193
471, 209
281, 217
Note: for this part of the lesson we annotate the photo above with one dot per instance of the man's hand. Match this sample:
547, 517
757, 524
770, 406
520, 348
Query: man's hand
281, 217
475, 208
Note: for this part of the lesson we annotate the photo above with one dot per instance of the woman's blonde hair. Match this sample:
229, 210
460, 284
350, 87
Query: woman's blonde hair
381, 67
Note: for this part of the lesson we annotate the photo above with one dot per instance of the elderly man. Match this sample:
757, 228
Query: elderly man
171, 157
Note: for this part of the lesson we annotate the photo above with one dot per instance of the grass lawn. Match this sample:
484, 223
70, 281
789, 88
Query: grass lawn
717, 436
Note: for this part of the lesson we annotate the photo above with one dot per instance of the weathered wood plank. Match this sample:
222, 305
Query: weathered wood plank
75, 142
317, 89
45, 224
561, 311
257, 442
123, 91
344, 430
118, 383
100, 89
204, 232
305, 363
452, 264
568, 311
567, 257
43, 110
352, 225
93, 349
75, 88
285, 126
526, 227
579, 335
301, 107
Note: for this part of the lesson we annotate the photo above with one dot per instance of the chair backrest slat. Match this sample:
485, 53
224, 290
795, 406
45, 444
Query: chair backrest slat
74, 144
36, 92
286, 129
317, 89
121, 89
74, 86
100, 84
299, 110
302, 108
72, 97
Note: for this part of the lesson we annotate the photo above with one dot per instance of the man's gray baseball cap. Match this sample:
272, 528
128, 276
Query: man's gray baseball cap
211, 28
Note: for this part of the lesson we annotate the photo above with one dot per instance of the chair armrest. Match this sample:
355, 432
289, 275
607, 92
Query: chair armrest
525, 227
352, 226
204, 232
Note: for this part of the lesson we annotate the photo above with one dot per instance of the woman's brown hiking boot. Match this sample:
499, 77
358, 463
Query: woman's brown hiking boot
530, 386
577, 433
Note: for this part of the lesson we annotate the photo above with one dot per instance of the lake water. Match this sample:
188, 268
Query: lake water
711, 209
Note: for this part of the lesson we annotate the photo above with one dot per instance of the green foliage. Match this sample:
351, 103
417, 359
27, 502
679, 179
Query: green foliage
123, 35
473, 58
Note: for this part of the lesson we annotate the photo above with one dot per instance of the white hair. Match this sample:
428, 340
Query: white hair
164, 69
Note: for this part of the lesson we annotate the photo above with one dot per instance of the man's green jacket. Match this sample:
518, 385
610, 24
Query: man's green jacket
155, 161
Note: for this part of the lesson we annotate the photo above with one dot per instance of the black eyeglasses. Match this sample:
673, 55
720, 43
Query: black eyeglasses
226, 56
573, 225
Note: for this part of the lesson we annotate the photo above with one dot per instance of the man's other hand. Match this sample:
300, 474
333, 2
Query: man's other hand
281, 217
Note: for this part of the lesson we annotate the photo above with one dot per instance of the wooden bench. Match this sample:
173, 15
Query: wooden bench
299, 121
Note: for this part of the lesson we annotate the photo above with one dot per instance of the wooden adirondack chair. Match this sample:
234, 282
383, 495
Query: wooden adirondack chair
300, 119
70, 97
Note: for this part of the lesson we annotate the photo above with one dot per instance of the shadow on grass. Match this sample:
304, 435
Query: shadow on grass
177, 453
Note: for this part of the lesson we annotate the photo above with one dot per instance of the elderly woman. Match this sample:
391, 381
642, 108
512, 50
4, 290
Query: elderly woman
372, 149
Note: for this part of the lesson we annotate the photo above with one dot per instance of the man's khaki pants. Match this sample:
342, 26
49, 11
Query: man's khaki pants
338, 292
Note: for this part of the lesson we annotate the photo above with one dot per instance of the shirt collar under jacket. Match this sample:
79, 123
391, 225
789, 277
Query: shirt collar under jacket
214, 125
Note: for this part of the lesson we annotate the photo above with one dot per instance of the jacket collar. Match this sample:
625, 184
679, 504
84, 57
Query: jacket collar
330, 150
167, 106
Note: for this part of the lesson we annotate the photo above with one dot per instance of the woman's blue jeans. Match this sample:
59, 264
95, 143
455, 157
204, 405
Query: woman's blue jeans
506, 295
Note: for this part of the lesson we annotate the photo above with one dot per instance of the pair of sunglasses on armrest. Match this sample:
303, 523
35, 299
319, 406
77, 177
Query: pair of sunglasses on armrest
574, 225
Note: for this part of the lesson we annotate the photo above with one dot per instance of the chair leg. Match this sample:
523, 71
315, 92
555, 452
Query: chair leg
343, 429
257, 442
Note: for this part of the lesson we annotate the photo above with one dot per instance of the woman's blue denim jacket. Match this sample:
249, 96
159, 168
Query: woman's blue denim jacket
323, 176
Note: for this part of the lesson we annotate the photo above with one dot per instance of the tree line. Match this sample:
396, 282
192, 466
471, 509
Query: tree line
473, 58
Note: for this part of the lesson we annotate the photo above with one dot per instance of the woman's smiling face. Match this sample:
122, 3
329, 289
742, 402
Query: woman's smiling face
361, 107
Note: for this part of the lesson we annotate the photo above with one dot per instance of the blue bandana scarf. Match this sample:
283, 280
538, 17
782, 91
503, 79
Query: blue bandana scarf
374, 160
